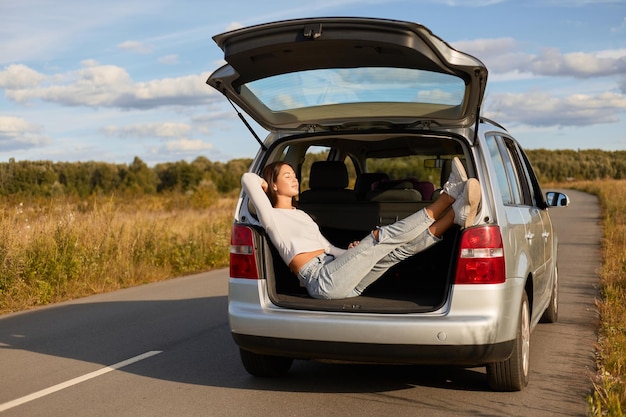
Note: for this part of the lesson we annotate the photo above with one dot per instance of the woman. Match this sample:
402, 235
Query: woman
330, 272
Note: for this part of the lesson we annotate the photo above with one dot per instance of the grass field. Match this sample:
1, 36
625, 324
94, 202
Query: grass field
609, 396
55, 250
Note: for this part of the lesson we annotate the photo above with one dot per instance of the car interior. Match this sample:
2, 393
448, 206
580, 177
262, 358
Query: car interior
349, 187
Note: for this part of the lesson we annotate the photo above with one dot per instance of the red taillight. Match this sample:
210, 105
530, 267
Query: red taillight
242, 256
481, 257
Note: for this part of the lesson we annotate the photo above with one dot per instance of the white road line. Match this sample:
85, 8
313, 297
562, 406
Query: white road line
78, 380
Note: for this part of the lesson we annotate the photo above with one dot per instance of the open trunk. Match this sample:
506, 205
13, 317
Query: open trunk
418, 285
353, 182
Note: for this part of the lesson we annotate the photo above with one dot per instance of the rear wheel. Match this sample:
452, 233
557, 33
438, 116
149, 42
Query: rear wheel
512, 374
551, 314
265, 365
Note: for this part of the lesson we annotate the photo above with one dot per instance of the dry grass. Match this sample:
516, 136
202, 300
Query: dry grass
609, 396
52, 251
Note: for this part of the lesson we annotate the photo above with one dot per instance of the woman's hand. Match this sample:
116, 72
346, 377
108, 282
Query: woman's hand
264, 185
353, 244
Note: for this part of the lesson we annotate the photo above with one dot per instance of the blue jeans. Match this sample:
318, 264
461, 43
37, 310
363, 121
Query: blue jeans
348, 275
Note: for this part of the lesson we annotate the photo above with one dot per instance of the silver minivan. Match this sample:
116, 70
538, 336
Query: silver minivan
370, 113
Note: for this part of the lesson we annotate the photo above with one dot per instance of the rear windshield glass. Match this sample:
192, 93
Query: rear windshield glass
357, 85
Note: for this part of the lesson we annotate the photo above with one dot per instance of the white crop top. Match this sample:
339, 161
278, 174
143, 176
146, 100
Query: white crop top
292, 231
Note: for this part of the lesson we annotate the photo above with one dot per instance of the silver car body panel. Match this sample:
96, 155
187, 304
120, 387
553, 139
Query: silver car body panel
474, 317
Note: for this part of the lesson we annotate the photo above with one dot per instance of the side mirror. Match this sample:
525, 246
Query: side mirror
557, 199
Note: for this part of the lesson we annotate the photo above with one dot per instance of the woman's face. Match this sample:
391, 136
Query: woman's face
286, 184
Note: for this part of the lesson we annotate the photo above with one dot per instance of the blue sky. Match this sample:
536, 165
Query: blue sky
111, 80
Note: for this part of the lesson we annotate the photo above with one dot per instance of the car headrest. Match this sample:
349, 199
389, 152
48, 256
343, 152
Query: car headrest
328, 175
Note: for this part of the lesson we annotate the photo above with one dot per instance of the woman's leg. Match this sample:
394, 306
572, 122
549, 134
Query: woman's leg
435, 211
337, 279
422, 242
462, 213
347, 275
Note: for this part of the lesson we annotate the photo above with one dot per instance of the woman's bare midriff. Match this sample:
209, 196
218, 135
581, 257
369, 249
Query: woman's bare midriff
301, 259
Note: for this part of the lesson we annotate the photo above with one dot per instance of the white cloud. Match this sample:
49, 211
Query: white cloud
482, 47
541, 109
500, 55
149, 130
96, 85
17, 134
514, 75
552, 62
175, 138
612, 53
190, 86
233, 26
505, 55
169, 59
19, 76
135, 46
90, 86
185, 145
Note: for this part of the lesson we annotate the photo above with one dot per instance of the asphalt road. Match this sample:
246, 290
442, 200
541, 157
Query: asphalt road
165, 350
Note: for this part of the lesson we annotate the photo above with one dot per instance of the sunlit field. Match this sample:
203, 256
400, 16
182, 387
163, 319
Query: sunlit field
58, 249
609, 396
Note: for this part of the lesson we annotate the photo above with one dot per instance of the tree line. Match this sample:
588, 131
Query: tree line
570, 165
83, 179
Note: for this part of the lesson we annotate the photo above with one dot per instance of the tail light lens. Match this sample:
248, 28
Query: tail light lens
242, 254
481, 257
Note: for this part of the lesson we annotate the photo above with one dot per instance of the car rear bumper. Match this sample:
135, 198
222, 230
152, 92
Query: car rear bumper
478, 328
467, 355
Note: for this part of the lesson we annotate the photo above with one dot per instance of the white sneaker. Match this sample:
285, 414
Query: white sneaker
456, 181
466, 206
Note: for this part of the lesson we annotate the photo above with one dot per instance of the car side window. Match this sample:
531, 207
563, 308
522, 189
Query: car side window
533, 183
521, 173
512, 174
501, 170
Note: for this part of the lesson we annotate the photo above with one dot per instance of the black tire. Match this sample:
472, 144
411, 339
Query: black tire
512, 374
264, 365
551, 315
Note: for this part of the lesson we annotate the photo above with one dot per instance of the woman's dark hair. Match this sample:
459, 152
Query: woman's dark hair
270, 175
